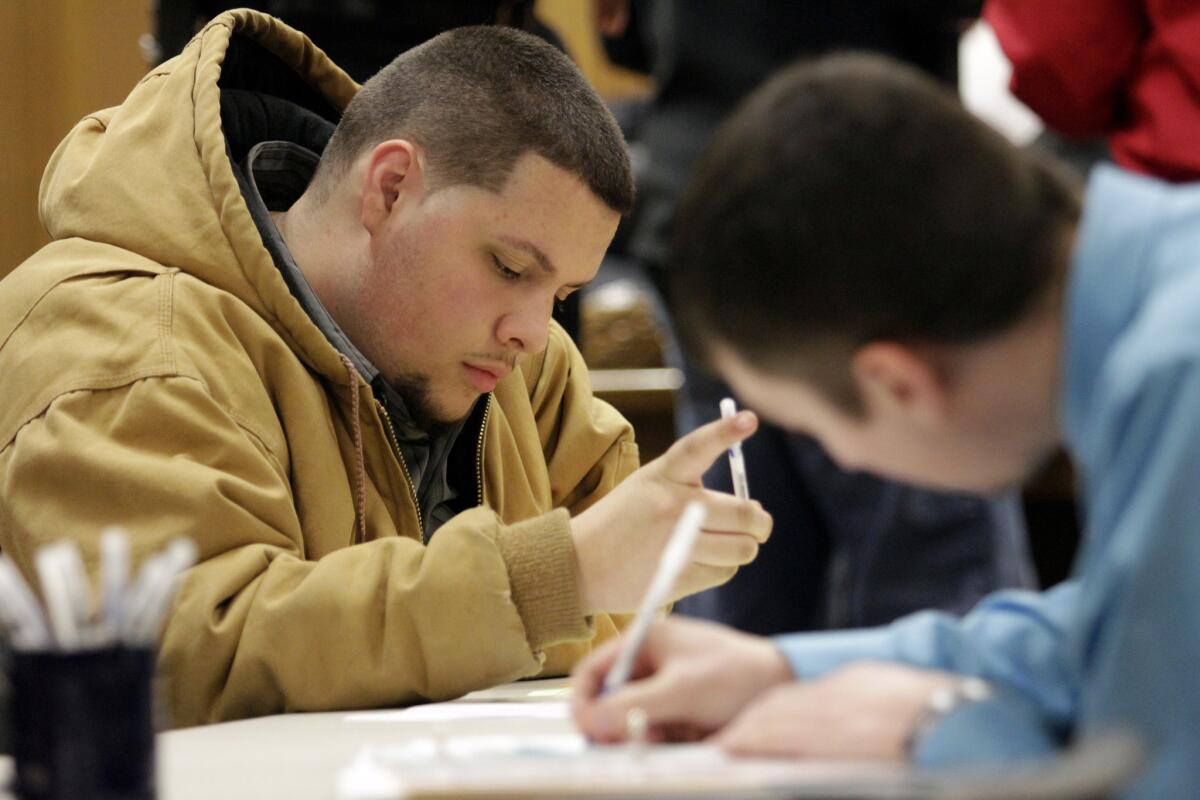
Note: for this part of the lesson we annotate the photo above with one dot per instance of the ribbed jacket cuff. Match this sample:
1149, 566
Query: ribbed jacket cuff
540, 556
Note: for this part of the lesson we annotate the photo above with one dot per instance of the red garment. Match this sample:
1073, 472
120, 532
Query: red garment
1127, 69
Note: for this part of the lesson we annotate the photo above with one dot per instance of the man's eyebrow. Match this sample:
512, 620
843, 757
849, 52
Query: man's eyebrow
539, 256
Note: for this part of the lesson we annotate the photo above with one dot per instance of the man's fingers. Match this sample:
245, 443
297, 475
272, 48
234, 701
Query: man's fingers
588, 677
724, 549
749, 735
724, 512
681, 732
691, 456
588, 701
657, 695
764, 727
698, 577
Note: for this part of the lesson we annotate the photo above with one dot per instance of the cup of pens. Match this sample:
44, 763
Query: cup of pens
81, 671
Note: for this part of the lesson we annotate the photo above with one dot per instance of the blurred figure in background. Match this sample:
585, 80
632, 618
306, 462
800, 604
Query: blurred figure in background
1127, 71
853, 549
361, 36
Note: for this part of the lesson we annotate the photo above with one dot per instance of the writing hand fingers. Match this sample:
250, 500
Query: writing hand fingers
724, 512
724, 549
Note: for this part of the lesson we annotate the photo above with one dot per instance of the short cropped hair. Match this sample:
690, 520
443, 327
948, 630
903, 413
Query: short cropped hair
851, 199
477, 99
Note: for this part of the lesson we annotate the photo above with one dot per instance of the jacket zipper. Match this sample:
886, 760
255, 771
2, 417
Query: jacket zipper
387, 420
487, 410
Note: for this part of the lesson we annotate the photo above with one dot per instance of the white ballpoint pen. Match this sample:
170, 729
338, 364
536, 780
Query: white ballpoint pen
675, 557
737, 462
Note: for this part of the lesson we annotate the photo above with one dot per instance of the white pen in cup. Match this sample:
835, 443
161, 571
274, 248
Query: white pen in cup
20, 611
114, 578
63, 609
675, 557
79, 595
162, 580
737, 462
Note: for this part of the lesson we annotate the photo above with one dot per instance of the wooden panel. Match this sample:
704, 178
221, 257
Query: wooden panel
645, 397
63, 59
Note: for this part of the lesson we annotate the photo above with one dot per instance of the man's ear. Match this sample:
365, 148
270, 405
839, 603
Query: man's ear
896, 379
392, 179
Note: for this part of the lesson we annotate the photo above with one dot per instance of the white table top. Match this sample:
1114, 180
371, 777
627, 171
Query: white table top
299, 756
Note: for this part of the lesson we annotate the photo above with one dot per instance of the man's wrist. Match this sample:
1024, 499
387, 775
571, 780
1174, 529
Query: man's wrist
584, 566
540, 558
943, 701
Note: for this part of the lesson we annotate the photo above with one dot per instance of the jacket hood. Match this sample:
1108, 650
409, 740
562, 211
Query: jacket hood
153, 175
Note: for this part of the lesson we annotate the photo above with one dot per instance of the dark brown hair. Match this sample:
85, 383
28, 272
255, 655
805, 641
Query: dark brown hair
477, 99
852, 199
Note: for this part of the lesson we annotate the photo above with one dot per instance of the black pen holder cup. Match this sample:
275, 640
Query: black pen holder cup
83, 724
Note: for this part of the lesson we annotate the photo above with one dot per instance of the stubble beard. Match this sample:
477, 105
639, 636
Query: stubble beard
418, 399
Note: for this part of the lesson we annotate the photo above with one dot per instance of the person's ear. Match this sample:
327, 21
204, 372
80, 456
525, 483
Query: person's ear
392, 180
895, 379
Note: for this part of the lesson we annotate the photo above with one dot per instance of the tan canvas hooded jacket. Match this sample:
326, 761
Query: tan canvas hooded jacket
155, 371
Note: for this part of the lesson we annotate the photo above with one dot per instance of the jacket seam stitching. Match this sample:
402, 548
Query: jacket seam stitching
37, 301
243, 422
109, 382
85, 383
33, 306
166, 299
250, 430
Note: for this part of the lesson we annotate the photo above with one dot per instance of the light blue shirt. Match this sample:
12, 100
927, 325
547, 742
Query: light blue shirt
1119, 643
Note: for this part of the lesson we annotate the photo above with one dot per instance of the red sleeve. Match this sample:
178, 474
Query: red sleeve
1070, 57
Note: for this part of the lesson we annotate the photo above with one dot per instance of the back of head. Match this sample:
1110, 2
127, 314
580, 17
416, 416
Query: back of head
476, 99
851, 199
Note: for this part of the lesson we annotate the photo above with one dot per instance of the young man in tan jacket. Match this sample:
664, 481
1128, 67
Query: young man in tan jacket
308, 326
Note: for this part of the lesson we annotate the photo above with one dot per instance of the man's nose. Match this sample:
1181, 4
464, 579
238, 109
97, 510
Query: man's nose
526, 329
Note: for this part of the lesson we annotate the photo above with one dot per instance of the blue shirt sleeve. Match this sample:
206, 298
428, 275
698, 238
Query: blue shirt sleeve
1139, 639
1003, 729
1012, 638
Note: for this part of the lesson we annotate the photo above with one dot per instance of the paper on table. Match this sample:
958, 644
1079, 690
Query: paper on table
378, 772
561, 765
553, 768
437, 712
522, 691
470, 747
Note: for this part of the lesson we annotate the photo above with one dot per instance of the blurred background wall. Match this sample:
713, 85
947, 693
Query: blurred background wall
62, 60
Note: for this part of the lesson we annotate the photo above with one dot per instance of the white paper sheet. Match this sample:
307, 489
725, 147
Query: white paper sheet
440, 712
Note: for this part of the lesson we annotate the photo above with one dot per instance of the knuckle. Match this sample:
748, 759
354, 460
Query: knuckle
665, 506
747, 550
747, 518
685, 448
694, 451
768, 525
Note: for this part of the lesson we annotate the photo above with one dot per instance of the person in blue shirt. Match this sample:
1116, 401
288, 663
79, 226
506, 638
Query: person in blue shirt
870, 264
851, 550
